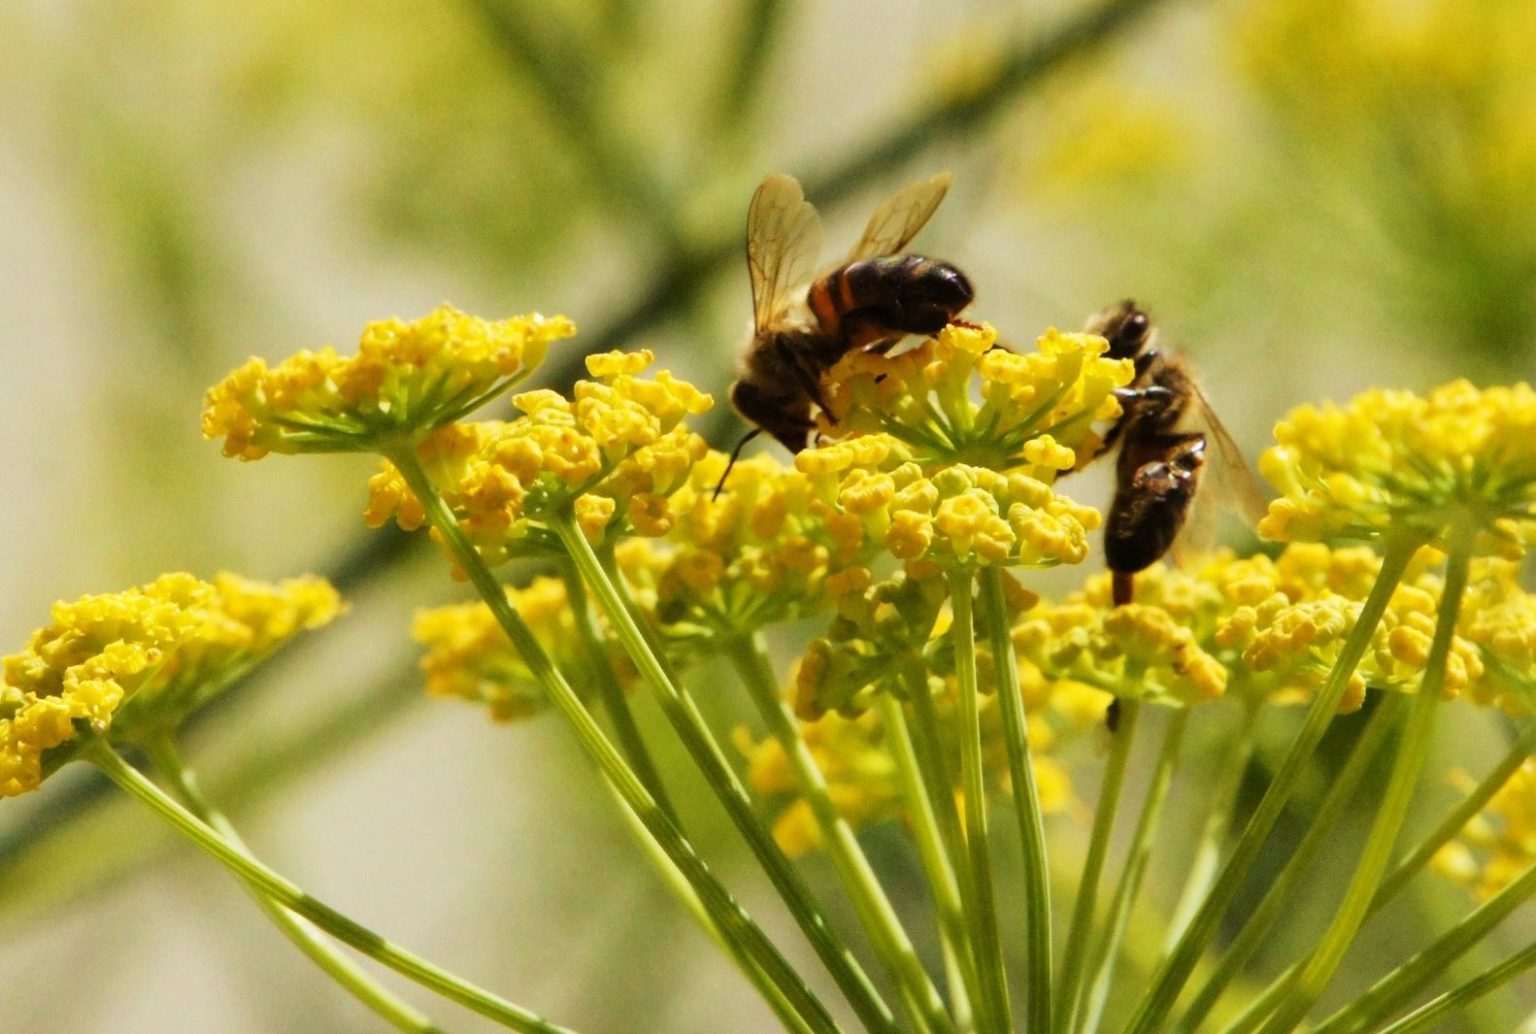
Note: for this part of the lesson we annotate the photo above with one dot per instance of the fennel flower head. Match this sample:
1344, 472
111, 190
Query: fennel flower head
611, 455
1499, 845
949, 450
406, 380
131, 665
1394, 461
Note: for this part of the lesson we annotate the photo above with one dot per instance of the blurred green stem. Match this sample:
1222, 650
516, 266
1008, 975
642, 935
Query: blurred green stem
1173, 974
1086, 903
700, 743
1218, 820
995, 1013
1026, 802
742, 934
285, 894
1390, 992
936, 859
1106, 947
401, 1015
1454, 1003
750, 658
1412, 751
1284, 889
615, 700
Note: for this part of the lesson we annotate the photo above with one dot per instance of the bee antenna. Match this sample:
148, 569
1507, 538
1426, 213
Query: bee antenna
735, 455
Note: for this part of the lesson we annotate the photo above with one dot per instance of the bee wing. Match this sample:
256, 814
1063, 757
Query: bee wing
898, 219
1227, 484
783, 239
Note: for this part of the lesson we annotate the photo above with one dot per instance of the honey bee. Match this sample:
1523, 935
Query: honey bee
1168, 435
801, 326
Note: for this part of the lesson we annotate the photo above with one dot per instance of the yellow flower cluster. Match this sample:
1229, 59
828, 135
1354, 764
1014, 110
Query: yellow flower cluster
405, 380
862, 777
759, 553
469, 656
613, 452
136, 663
1500, 617
1036, 410
1395, 460
1500, 844
1268, 628
955, 514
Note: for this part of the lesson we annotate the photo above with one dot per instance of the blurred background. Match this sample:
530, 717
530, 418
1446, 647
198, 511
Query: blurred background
1310, 196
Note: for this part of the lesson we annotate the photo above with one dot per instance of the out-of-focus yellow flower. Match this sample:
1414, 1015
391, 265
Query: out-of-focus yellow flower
406, 380
469, 656
134, 664
1500, 617
1500, 844
613, 452
1393, 460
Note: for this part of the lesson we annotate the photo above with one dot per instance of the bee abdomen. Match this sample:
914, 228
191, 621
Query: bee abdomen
1149, 509
909, 294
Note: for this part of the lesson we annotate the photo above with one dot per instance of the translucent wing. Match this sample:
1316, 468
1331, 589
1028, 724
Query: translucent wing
783, 238
1227, 483
899, 218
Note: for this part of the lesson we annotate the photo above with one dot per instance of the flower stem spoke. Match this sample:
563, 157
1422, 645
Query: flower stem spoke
1083, 908
1173, 974
1282, 893
983, 913
289, 896
1218, 822
874, 909
1107, 947
1457, 819
743, 934
615, 702
1390, 992
1411, 754
1026, 802
401, 1015
706, 753
936, 859
1455, 1002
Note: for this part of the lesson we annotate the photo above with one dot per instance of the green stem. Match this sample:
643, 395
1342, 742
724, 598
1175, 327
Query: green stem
1026, 800
1218, 821
1391, 991
615, 700
289, 896
1454, 822
936, 860
1083, 909
858, 877
1411, 754
984, 931
399, 1014
1457, 1001
1107, 948
742, 934
722, 780
1457, 819
933, 763
1173, 974
1282, 893
678, 885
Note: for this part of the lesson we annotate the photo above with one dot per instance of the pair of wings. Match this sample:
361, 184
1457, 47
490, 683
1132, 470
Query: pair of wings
784, 237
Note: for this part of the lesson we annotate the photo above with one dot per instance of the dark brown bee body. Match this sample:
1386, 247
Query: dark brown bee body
1158, 469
